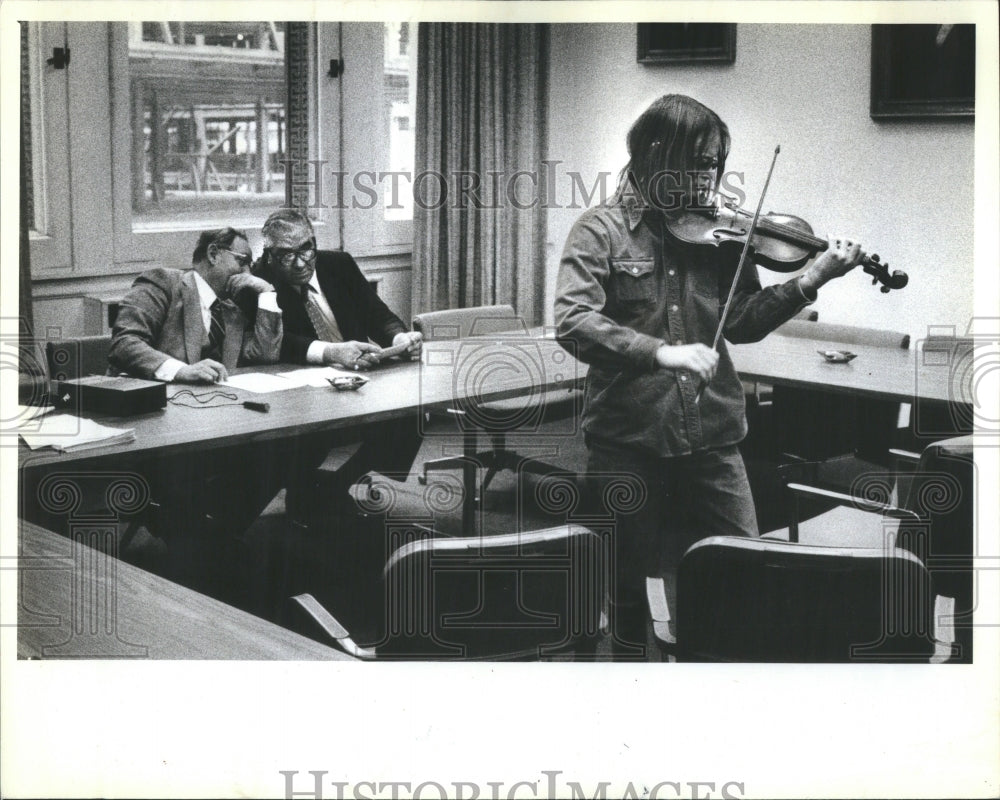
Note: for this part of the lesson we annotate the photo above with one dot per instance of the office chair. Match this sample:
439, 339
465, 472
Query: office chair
511, 596
69, 359
496, 418
934, 520
754, 600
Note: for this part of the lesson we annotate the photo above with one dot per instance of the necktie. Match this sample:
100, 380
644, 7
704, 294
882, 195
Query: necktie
325, 331
216, 333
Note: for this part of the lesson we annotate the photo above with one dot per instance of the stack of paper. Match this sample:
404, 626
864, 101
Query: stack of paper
67, 433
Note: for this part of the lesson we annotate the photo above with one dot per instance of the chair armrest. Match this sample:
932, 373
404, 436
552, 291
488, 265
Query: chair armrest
659, 612
848, 500
329, 625
905, 457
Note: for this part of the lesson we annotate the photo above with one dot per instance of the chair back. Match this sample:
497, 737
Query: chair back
932, 420
844, 334
758, 600
458, 323
69, 359
518, 595
942, 495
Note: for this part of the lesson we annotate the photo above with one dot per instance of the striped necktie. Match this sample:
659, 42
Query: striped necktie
216, 333
325, 331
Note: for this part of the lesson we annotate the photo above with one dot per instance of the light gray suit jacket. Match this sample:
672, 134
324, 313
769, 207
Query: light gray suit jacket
160, 318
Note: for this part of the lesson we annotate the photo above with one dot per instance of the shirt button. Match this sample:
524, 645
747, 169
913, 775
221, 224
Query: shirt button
635, 270
671, 272
684, 377
673, 308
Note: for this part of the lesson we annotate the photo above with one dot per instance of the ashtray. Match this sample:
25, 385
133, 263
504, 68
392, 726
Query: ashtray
347, 383
837, 356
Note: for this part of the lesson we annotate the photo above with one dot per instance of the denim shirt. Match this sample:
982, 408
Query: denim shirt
625, 288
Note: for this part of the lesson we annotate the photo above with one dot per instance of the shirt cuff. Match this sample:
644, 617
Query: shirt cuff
314, 355
268, 301
168, 370
642, 351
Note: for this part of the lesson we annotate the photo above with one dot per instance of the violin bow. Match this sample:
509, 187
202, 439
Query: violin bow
739, 268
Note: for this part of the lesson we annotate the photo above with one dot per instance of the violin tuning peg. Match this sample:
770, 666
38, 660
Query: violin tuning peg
875, 257
885, 290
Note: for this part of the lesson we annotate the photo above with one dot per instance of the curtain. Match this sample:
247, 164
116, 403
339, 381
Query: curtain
479, 211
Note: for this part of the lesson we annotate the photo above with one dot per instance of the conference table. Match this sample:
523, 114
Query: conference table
935, 373
462, 373
73, 603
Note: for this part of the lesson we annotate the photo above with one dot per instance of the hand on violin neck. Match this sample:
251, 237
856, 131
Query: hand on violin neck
841, 257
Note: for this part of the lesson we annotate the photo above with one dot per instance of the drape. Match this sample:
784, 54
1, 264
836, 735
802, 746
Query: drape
479, 182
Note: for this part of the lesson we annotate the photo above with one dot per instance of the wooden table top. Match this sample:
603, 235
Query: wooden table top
491, 368
75, 602
877, 372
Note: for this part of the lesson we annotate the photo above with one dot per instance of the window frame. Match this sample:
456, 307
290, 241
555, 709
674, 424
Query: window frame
135, 250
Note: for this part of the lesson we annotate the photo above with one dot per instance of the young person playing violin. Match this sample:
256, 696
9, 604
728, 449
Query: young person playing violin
642, 308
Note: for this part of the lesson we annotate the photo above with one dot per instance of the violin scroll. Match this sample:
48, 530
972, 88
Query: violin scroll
873, 265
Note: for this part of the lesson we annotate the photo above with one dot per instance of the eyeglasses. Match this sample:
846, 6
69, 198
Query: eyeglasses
287, 258
243, 259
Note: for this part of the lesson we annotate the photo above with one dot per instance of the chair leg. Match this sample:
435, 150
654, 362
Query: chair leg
450, 462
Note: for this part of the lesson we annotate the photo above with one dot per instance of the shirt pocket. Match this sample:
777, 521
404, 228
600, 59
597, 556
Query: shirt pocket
633, 279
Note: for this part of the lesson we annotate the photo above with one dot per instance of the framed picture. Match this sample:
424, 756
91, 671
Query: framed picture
686, 43
923, 71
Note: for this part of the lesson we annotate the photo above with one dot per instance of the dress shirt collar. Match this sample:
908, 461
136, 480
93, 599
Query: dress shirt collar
206, 294
313, 283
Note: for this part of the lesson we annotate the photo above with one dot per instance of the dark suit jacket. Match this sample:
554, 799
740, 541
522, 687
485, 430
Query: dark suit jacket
361, 314
160, 318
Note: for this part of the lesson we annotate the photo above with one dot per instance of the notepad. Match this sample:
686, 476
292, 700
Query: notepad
68, 434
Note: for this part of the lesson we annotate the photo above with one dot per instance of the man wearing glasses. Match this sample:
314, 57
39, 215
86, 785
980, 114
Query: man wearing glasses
330, 310
332, 316
195, 326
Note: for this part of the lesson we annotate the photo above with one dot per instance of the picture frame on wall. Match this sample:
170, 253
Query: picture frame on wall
686, 42
923, 72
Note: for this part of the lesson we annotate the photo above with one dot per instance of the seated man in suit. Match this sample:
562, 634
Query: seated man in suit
331, 316
330, 310
194, 326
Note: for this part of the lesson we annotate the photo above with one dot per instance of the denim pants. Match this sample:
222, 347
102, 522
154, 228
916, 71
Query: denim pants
686, 498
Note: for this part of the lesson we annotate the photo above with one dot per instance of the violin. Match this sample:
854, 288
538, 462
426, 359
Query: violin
781, 242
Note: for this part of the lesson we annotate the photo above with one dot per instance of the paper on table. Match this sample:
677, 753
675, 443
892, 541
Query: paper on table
26, 413
260, 382
315, 376
66, 432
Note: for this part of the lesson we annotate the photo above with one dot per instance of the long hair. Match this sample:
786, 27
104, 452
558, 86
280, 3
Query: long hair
663, 144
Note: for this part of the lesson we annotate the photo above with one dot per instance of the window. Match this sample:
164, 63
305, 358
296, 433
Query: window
207, 120
380, 67
399, 98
